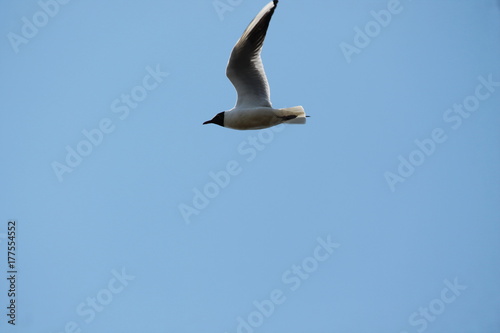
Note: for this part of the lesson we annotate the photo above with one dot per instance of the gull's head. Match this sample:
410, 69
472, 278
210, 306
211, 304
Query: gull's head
218, 119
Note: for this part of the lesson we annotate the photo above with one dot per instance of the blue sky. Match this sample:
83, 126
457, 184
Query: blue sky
381, 214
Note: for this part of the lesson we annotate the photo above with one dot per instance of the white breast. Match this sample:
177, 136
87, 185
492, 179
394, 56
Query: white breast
257, 118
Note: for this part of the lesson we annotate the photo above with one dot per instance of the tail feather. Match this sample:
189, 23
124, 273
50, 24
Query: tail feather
297, 111
298, 120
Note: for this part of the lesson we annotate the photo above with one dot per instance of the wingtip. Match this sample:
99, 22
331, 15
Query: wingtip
275, 2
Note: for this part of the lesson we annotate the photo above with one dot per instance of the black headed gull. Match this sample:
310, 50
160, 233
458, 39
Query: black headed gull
253, 109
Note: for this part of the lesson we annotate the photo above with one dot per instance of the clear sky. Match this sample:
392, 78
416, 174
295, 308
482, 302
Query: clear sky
381, 214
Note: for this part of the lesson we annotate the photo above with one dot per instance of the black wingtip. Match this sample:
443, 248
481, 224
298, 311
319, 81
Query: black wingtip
275, 2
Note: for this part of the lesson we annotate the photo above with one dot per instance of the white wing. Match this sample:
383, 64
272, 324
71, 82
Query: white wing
245, 69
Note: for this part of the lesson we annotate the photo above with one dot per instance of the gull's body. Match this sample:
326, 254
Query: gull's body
253, 109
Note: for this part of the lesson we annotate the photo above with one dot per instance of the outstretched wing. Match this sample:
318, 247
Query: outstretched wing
245, 69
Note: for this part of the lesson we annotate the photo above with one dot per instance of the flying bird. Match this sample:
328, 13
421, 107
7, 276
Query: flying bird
253, 109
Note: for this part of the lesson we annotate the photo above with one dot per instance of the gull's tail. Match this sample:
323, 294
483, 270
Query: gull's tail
293, 115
